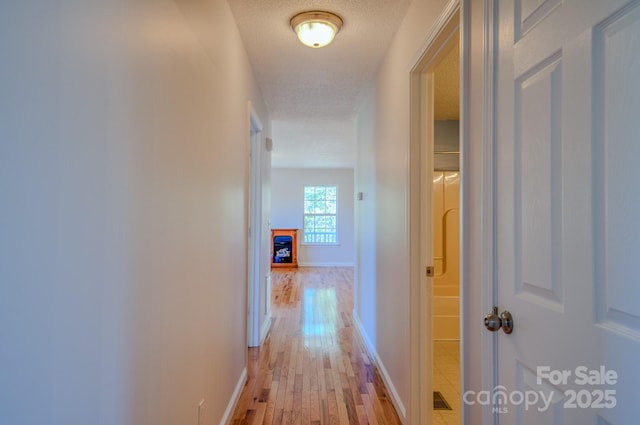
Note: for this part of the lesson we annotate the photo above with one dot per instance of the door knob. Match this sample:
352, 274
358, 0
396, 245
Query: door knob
493, 321
507, 322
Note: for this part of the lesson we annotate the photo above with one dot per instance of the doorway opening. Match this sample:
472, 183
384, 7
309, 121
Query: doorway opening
445, 299
436, 176
258, 276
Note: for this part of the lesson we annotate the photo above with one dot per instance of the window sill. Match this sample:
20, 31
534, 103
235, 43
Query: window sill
320, 244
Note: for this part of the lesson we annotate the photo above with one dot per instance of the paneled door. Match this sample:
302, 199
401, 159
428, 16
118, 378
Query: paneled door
567, 180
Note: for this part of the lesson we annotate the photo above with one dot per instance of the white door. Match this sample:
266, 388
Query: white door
568, 211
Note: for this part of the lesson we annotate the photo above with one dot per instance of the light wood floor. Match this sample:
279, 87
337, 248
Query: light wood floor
313, 368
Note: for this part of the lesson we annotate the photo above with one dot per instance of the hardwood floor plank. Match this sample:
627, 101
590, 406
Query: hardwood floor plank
261, 410
377, 406
362, 415
313, 368
271, 404
368, 406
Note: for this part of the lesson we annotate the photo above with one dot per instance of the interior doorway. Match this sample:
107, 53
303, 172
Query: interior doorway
445, 299
436, 177
258, 232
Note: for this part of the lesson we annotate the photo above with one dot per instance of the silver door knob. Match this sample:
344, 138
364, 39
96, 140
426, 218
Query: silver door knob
493, 321
507, 322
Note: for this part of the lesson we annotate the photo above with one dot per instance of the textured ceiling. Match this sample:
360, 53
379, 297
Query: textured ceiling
447, 84
312, 94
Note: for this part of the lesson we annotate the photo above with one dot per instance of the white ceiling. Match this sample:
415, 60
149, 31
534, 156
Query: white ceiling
312, 94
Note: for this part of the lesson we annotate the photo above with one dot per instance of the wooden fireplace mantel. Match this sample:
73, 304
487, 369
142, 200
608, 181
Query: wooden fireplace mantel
292, 259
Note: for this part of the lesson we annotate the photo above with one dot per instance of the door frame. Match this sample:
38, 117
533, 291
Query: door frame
421, 207
254, 228
487, 186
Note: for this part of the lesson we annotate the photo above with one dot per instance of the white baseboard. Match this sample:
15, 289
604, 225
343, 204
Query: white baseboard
231, 407
395, 398
265, 329
327, 264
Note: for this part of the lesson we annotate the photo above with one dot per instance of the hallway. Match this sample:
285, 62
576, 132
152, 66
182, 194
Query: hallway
313, 368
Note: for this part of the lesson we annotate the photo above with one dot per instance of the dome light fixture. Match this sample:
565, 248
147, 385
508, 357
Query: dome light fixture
316, 28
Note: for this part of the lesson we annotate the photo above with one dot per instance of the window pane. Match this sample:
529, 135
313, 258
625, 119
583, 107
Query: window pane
330, 207
332, 193
309, 222
308, 207
309, 193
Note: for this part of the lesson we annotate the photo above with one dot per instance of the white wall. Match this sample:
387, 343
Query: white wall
383, 167
123, 176
287, 186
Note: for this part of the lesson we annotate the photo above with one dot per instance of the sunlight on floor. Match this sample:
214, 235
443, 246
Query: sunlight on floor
320, 312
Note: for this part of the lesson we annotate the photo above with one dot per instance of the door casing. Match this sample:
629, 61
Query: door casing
420, 208
254, 230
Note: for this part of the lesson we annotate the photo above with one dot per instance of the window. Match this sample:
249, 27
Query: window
320, 214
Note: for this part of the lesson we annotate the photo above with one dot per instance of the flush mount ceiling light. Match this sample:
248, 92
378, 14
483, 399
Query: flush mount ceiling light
316, 28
